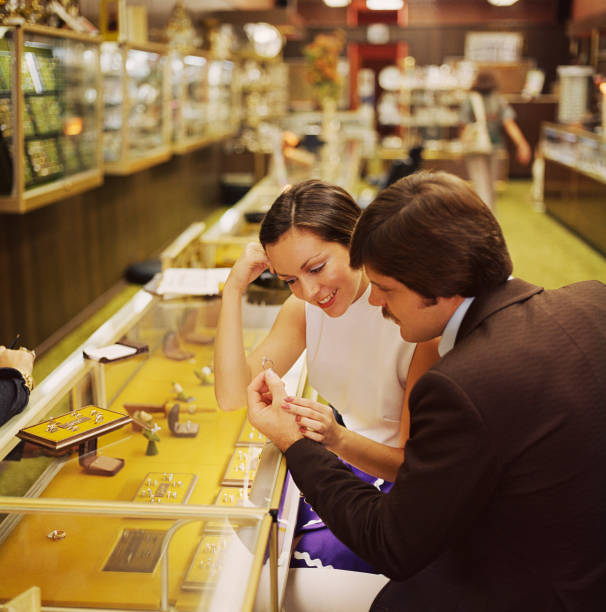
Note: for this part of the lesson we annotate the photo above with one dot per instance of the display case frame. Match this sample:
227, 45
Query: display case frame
125, 162
23, 198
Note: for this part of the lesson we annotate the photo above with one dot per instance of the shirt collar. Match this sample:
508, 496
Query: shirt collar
452, 327
449, 335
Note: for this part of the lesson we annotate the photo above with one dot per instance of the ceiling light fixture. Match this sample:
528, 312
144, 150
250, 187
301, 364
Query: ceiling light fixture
384, 5
502, 2
337, 3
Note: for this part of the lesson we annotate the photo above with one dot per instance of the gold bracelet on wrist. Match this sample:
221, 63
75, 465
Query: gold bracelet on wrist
28, 379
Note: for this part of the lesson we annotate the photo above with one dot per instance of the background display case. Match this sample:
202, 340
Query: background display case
136, 116
50, 116
194, 98
224, 103
264, 90
574, 182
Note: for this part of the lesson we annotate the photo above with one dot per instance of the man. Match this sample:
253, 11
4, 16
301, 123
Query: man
500, 504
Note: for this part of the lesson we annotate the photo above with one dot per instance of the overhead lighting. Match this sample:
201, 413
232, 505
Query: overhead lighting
384, 5
502, 2
266, 39
337, 3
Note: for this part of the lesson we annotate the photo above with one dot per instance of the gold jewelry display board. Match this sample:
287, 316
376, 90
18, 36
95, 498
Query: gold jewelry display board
74, 428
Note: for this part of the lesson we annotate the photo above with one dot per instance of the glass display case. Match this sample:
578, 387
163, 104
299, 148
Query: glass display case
50, 115
264, 91
576, 148
147, 496
573, 181
136, 116
194, 98
224, 102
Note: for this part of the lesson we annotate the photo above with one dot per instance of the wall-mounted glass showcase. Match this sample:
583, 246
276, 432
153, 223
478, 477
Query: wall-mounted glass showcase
204, 104
50, 115
224, 103
136, 116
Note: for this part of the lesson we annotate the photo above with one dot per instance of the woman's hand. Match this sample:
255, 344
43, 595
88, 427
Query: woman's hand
524, 153
249, 265
316, 421
21, 359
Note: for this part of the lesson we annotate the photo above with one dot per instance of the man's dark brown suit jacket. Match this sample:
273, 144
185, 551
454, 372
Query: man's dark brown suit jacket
500, 504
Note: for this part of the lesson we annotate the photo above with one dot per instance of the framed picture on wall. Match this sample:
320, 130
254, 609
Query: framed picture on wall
493, 46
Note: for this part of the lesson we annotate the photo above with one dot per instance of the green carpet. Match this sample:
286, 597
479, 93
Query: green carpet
544, 251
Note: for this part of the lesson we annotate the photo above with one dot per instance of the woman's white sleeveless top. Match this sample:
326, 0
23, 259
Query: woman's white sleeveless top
358, 362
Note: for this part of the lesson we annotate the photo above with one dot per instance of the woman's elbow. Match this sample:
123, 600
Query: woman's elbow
228, 402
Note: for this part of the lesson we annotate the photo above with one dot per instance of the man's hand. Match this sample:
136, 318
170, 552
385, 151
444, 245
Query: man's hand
265, 395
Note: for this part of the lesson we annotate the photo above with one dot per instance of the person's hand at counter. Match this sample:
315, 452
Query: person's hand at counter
266, 394
247, 268
19, 359
16, 381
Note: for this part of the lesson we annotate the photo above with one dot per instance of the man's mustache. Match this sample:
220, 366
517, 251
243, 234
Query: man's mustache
388, 315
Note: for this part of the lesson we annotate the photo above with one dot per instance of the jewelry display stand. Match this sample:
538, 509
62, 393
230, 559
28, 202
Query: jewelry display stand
181, 430
79, 429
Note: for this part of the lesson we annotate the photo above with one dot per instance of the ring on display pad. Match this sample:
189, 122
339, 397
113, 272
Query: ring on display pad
56, 534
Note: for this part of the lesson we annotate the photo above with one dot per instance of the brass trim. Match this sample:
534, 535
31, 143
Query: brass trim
257, 565
59, 33
130, 167
127, 509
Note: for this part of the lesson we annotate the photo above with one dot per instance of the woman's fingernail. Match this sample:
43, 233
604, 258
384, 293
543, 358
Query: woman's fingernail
285, 406
289, 398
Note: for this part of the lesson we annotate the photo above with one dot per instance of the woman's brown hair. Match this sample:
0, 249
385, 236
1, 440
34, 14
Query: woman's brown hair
327, 211
431, 232
485, 83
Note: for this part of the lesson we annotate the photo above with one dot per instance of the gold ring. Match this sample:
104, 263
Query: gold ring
56, 534
267, 363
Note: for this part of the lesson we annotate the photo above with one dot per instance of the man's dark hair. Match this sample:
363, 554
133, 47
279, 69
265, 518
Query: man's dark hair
326, 210
431, 232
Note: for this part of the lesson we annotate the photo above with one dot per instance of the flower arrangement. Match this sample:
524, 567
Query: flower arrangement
322, 57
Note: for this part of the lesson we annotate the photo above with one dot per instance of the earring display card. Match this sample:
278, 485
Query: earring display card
230, 496
166, 488
206, 563
227, 497
250, 436
242, 467
137, 550
74, 427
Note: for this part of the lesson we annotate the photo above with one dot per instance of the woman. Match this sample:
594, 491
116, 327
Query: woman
483, 167
356, 359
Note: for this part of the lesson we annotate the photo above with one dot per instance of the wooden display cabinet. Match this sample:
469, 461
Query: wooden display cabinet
198, 83
50, 116
136, 116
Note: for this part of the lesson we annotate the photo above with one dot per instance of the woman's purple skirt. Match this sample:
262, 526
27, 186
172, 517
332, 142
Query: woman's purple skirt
319, 547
